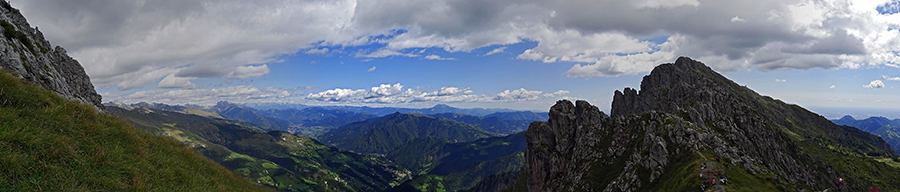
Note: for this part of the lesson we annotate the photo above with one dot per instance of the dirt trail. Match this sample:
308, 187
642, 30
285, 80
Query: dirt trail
711, 171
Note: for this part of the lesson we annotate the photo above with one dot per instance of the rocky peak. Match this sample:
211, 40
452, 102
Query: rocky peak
673, 86
118, 104
684, 114
26, 54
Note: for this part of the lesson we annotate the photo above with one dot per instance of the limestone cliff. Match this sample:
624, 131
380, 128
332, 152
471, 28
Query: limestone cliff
690, 126
25, 53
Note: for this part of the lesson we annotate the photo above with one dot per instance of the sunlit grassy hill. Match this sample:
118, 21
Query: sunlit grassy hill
48, 143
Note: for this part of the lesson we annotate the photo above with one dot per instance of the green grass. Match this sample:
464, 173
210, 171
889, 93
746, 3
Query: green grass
52, 144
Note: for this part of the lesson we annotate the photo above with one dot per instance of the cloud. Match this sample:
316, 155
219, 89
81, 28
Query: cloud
780, 80
248, 71
117, 41
495, 51
121, 41
392, 94
832, 87
317, 51
519, 94
382, 53
557, 93
874, 84
171, 81
885, 77
371, 69
240, 94
436, 57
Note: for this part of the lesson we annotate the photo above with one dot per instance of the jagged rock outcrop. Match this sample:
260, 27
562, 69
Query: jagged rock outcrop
25, 53
581, 148
687, 114
119, 104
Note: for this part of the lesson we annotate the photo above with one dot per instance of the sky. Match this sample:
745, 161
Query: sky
831, 56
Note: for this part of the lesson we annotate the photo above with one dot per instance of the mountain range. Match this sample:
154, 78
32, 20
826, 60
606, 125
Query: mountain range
384, 134
887, 129
274, 158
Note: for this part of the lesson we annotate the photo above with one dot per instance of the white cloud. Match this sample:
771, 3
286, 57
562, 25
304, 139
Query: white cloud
495, 51
437, 57
392, 94
172, 81
780, 80
119, 41
371, 69
557, 93
874, 84
382, 53
248, 71
832, 87
240, 94
315, 51
885, 77
519, 94
571, 45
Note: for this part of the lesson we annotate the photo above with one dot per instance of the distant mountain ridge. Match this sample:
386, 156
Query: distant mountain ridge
887, 129
383, 134
493, 123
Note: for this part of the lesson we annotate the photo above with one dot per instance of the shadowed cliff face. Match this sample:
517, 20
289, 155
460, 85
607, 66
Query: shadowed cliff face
685, 115
25, 53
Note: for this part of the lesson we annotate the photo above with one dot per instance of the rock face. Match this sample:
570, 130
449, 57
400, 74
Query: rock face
25, 53
687, 114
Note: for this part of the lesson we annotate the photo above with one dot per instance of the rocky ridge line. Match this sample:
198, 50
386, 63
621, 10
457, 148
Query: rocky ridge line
687, 113
26, 54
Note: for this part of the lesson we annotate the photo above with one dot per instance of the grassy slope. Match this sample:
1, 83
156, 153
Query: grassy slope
277, 159
52, 144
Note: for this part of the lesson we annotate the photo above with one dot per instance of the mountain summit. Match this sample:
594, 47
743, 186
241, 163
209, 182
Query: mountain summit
690, 128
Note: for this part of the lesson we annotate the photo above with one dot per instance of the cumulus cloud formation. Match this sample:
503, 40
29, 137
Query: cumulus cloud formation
874, 84
121, 42
780, 80
371, 69
832, 87
396, 93
117, 41
437, 57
